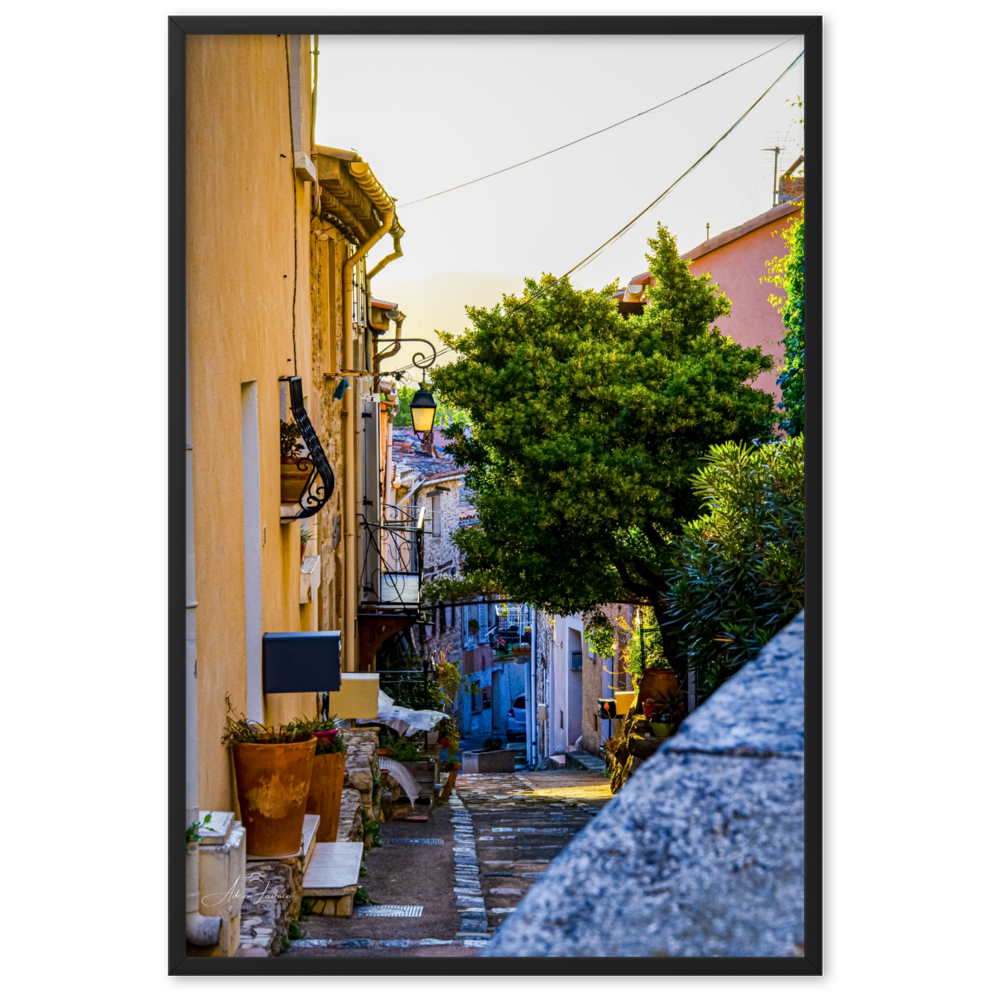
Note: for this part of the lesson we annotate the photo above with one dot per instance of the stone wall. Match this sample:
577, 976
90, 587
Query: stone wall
701, 853
362, 753
273, 899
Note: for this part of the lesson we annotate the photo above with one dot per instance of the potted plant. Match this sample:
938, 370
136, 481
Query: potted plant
327, 784
295, 468
424, 770
273, 767
305, 537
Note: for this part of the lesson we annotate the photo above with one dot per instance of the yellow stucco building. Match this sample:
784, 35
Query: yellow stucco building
280, 234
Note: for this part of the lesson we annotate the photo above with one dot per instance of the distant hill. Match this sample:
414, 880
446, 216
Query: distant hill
438, 301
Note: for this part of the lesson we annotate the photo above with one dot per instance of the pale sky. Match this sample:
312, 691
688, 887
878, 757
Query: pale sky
431, 112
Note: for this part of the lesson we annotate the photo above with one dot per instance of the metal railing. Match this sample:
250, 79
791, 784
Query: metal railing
392, 557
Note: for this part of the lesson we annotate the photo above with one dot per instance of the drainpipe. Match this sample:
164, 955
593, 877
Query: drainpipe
350, 534
350, 458
397, 317
397, 252
387, 221
201, 930
533, 702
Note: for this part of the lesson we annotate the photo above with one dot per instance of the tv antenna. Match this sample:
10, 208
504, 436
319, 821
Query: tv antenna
776, 150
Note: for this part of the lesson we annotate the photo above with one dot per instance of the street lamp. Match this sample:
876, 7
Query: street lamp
422, 409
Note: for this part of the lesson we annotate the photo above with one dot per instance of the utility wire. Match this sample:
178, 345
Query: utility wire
598, 132
591, 257
621, 232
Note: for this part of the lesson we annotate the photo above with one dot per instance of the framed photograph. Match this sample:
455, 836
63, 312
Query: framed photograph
488, 553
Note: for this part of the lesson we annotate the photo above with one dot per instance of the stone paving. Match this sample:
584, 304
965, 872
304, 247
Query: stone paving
480, 856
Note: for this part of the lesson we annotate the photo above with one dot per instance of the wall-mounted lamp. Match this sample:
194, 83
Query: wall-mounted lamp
422, 408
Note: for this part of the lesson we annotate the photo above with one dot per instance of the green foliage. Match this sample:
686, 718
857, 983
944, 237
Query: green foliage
452, 589
407, 752
738, 571
587, 427
788, 273
601, 634
452, 682
444, 415
372, 828
291, 440
361, 897
645, 648
414, 693
325, 744
792, 378
192, 834
240, 730
800, 104
404, 418
295, 932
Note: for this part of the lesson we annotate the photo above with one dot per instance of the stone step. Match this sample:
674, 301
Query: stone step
583, 761
333, 870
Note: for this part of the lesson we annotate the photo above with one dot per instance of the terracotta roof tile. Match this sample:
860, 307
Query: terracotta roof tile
408, 453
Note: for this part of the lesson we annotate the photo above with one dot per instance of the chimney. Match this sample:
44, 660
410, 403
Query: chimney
789, 187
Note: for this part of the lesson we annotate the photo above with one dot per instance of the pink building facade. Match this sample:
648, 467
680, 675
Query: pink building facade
737, 260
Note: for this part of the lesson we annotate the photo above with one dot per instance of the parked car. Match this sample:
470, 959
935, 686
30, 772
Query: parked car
517, 724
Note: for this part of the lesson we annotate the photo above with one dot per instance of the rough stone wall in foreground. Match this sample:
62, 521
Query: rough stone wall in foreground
701, 854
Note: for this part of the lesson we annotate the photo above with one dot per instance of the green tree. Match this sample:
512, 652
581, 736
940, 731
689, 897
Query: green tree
737, 573
587, 427
788, 273
444, 416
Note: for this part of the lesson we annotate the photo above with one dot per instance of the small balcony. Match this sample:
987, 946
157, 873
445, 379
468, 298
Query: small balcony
392, 558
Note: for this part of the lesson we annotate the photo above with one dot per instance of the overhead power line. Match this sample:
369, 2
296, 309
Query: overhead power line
591, 257
628, 225
598, 132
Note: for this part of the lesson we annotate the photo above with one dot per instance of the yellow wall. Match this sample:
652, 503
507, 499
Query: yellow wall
241, 246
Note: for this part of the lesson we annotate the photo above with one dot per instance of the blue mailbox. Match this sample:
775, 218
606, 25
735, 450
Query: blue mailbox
301, 662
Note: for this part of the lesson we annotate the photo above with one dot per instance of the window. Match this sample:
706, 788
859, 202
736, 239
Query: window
436, 516
449, 616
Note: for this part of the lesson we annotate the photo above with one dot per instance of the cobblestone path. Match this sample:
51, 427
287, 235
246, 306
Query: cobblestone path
469, 866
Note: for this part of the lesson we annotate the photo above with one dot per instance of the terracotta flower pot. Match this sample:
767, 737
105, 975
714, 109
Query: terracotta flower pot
294, 474
658, 684
272, 785
325, 790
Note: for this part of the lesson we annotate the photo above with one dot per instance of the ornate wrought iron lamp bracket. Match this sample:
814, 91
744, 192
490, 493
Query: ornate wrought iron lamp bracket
420, 359
319, 486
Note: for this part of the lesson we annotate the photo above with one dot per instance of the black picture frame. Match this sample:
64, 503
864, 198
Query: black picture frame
811, 28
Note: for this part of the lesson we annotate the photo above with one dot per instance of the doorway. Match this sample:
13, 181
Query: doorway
497, 701
574, 686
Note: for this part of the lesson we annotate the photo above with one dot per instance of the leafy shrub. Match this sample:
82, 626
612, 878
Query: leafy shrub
738, 571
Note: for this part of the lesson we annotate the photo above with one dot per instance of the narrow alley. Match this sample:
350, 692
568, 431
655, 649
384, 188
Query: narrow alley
443, 887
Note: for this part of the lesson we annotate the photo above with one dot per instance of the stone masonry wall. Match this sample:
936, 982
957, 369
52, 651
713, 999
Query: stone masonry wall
362, 750
702, 852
